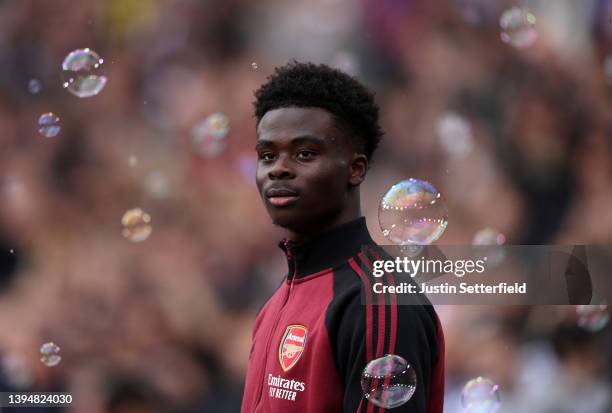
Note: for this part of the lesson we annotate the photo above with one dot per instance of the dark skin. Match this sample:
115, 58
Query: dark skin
308, 171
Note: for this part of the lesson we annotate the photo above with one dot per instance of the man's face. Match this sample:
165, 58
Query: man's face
302, 167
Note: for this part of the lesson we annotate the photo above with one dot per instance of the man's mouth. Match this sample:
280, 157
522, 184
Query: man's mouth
281, 196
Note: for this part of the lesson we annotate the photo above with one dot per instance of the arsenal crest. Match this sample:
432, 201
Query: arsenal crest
292, 345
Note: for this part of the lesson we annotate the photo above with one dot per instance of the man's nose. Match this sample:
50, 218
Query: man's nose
281, 169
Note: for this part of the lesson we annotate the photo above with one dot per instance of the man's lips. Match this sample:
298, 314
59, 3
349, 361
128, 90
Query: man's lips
282, 200
281, 196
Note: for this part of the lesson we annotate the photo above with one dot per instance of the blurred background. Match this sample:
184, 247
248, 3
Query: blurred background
512, 124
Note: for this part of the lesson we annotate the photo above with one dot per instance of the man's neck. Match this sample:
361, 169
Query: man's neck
300, 236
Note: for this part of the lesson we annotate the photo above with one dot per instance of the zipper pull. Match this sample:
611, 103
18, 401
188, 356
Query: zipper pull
289, 254
287, 249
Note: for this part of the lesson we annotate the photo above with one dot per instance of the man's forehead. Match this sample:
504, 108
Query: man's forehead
294, 121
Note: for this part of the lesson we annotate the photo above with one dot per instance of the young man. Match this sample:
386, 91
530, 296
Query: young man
317, 129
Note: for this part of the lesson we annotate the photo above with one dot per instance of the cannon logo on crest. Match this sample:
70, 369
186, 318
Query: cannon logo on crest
292, 345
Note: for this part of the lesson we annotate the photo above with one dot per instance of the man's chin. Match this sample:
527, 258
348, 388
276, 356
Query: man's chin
288, 223
301, 219
291, 220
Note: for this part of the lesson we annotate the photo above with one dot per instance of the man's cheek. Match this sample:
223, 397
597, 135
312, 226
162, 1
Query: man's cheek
259, 178
331, 198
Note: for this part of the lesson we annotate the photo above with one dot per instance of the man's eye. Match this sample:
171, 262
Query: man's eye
266, 156
306, 154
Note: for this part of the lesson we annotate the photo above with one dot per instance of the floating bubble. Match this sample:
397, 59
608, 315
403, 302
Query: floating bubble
480, 395
49, 125
217, 124
49, 354
82, 73
455, 134
388, 381
157, 185
208, 135
593, 317
12, 251
518, 27
489, 236
412, 212
489, 242
136, 225
254, 65
34, 86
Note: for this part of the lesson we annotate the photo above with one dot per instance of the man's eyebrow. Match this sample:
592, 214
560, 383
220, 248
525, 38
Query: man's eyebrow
299, 140
262, 143
307, 139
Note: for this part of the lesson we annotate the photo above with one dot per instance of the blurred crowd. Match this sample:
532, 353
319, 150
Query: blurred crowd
164, 325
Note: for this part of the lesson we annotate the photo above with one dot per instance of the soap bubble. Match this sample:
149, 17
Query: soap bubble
34, 86
49, 125
82, 73
388, 381
412, 212
518, 27
217, 125
49, 354
489, 236
593, 317
489, 242
136, 225
157, 185
208, 135
480, 395
455, 134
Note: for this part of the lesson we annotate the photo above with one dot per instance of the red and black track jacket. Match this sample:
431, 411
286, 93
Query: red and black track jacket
313, 338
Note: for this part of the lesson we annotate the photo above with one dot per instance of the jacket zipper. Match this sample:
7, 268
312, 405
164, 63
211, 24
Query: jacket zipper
263, 375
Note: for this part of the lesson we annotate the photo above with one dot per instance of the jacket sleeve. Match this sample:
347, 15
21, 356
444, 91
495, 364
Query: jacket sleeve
368, 328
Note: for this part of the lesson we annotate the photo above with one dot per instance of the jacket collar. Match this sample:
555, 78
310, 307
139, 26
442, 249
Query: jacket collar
326, 250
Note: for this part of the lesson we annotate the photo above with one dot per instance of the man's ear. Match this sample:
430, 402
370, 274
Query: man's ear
359, 168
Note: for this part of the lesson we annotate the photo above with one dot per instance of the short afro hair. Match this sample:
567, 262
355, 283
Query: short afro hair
308, 85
